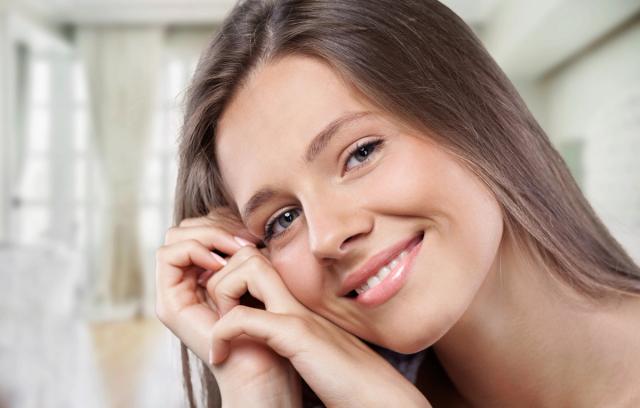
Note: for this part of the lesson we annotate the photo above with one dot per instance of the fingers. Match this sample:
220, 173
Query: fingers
231, 263
249, 271
173, 260
223, 218
185, 259
193, 325
208, 236
181, 304
271, 328
318, 350
186, 246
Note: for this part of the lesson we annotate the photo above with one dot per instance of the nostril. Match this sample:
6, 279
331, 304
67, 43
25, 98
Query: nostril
346, 241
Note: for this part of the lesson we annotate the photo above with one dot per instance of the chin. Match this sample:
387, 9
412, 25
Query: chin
409, 347
411, 341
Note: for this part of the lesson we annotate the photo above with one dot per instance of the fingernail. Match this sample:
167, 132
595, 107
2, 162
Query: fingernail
243, 242
219, 259
204, 277
211, 357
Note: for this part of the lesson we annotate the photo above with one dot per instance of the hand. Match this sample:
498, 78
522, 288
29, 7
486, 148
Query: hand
338, 366
252, 371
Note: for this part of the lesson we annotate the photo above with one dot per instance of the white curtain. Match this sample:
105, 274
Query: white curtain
122, 66
23, 86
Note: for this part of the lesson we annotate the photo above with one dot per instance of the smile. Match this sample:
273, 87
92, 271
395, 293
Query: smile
384, 274
375, 280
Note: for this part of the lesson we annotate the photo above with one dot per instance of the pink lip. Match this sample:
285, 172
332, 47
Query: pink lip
391, 284
372, 266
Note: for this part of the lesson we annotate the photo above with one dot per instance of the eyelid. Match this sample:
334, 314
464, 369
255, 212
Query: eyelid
275, 215
271, 220
376, 141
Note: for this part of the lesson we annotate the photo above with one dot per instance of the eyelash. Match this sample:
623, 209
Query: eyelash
370, 144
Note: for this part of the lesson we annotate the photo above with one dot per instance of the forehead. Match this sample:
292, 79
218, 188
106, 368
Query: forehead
266, 127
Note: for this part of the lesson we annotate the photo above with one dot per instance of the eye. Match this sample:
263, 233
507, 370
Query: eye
279, 223
361, 153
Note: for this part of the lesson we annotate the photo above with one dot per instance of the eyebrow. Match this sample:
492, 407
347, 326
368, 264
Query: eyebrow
315, 147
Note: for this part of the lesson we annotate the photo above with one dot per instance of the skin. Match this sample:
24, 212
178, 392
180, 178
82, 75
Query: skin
259, 355
187, 309
472, 294
408, 186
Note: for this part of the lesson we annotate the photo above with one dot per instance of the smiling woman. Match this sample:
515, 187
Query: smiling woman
367, 172
372, 190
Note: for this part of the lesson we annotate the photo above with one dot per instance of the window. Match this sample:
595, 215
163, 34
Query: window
57, 185
161, 168
64, 206
32, 201
161, 160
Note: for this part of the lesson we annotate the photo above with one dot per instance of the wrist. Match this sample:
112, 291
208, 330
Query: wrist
397, 390
267, 391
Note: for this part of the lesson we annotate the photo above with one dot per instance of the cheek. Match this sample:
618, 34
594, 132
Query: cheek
482, 231
475, 219
407, 184
428, 184
299, 272
469, 246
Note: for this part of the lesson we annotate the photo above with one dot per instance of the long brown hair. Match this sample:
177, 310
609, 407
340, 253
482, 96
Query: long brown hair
420, 62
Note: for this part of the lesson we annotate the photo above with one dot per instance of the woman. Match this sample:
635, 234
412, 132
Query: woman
365, 170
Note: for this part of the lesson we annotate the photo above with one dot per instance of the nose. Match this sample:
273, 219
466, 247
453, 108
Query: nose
335, 223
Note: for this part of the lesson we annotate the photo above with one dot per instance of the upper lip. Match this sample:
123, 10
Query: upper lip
358, 277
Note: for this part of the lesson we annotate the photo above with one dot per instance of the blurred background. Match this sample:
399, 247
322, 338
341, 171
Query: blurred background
90, 108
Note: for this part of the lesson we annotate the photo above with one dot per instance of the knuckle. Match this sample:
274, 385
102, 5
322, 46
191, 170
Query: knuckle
218, 292
161, 254
187, 222
251, 257
258, 265
240, 312
192, 245
170, 235
162, 313
255, 260
211, 285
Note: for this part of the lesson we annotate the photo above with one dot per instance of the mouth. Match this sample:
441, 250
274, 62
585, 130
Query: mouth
381, 268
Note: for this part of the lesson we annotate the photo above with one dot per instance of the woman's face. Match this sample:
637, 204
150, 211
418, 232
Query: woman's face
350, 198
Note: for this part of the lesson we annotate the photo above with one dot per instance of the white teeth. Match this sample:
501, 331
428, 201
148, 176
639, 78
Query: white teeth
373, 281
382, 273
386, 270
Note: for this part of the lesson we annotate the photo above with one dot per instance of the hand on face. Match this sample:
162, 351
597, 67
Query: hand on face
185, 305
246, 345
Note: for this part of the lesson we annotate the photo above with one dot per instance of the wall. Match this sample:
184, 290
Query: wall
594, 102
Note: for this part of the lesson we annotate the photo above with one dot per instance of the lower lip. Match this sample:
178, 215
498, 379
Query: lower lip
392, 283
